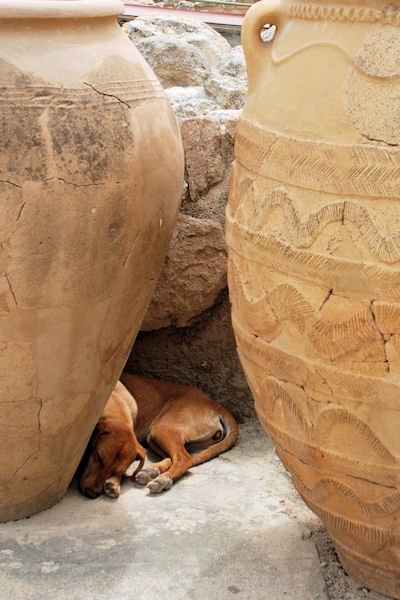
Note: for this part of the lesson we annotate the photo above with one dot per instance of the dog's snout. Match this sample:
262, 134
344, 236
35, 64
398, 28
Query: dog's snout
89, 492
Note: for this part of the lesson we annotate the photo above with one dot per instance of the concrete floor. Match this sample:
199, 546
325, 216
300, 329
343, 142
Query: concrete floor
233, 528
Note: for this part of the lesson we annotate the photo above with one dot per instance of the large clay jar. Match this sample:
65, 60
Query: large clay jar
91, 169
313, 226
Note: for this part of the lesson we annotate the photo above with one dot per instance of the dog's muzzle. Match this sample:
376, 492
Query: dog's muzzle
89, 493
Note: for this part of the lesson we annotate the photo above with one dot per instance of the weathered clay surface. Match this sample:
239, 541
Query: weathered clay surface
85, 226
193, 276
313, 234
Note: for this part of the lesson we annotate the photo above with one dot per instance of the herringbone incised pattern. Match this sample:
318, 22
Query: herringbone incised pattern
315, 289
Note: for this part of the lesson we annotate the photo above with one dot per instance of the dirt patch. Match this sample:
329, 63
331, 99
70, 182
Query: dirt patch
339, 585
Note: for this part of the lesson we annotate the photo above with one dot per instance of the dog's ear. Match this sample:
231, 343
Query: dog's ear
100, 429
102, 425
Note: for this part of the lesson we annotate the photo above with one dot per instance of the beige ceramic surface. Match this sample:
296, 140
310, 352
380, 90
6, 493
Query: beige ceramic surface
91, 169
313, 226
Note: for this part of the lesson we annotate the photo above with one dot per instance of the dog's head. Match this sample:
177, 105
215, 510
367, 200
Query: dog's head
113, 448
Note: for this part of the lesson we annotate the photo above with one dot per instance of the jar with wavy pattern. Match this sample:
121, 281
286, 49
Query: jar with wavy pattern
313, 229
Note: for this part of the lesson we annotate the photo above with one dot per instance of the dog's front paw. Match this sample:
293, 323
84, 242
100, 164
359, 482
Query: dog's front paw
164, 482
146, 475
112, 489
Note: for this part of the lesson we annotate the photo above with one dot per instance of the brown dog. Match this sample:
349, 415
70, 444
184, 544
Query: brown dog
168, 417
113, 447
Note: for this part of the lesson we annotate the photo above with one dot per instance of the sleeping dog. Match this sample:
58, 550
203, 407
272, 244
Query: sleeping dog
168, 416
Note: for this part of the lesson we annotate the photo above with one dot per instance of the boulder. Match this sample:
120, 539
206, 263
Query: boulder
186, 335
226, 91
189, 102
146, 2
212, 45
194, 274
208, 143
174, 61
185, 52
234, 64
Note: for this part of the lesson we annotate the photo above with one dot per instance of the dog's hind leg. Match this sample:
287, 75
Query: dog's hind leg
156, 449
152, 471
171, 443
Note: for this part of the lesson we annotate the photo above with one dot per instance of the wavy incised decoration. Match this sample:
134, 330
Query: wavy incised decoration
331, 496
371, 562
385, 247
258, 314
325, 422
285, 303
328, 489
356, 528
330, 418
303, 234
238, 186
276, 392
334, 340
290, 305
381, 473
329, 271
313, 374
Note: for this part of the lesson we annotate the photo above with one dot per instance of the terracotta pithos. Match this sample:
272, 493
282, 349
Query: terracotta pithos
91, 172
313, 228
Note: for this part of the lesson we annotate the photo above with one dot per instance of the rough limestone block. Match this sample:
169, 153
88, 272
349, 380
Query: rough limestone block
193, 276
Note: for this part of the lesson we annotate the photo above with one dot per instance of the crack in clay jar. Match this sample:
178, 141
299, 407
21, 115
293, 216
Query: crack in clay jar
91, 164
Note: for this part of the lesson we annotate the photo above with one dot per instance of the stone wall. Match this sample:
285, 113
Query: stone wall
186, 335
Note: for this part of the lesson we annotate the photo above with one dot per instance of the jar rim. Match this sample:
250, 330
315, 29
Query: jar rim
59, 9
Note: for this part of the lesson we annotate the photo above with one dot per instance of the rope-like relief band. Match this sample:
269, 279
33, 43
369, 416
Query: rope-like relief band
351, 14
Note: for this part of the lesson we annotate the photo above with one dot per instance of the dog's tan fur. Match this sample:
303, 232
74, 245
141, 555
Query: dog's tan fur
114, 446
168, 416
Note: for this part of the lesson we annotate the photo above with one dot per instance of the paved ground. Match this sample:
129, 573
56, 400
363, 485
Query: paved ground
232, 529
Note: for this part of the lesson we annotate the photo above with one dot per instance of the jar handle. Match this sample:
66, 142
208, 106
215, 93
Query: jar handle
261, 13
